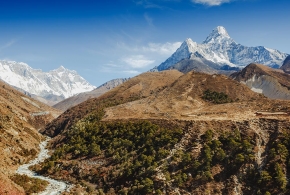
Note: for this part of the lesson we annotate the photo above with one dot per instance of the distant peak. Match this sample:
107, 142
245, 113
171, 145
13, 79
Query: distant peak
187, 42
61, 68
221, 30
218, 33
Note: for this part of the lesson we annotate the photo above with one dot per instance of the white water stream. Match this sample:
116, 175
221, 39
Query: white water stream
54, 187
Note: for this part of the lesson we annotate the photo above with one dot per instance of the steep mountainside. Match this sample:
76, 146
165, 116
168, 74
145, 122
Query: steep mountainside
221, 49
79, 98
198, 134
273, 83
198, 63
286, 65
21, 117
53, 85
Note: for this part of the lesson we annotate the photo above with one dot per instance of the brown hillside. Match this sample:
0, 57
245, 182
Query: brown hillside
79, 98
258, 70
138, 87
202, 134
183, 100
273, 83
20, 117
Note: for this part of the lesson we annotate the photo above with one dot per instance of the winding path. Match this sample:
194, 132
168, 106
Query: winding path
54, 187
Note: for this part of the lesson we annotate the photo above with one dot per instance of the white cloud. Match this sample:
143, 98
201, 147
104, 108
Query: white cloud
132, 72
164, 49
137, 61
211, 2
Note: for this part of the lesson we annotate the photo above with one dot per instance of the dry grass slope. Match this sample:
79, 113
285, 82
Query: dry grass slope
20, 117
138, 87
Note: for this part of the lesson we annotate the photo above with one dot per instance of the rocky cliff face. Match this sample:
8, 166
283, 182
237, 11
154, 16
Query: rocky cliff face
272, 83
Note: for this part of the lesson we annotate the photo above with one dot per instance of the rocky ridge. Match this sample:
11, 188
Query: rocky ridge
273, 83
286, 65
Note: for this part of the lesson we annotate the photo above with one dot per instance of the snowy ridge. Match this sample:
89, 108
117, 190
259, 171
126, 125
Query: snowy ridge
59, 82
221, 49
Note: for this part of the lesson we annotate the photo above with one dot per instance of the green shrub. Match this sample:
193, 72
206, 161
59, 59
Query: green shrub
216, 97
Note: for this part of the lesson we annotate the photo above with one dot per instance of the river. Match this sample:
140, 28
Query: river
54, 187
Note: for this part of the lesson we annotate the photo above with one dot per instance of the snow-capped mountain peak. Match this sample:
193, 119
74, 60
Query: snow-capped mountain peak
60, 82
221, 49
218, 35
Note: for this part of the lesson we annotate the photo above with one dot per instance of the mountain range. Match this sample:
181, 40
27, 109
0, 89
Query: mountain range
220, 52
162, 132
53, 86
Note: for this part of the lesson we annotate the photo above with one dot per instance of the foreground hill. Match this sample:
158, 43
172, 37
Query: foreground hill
273, 83
136, 88
21, 117
184, 100
198, 134
79, 98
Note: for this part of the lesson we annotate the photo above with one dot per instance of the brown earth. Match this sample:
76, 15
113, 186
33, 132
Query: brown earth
79, 98
141, 86
20, 117
183, 100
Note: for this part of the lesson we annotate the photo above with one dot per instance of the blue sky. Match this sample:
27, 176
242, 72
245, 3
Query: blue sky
103, 40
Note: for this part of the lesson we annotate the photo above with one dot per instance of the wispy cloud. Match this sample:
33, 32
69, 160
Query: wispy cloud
162, 48
211, 2
8, 44
137, 61
148, 19
166, 49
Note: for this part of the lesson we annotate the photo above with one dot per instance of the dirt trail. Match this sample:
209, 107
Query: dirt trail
54, 187
262, 138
